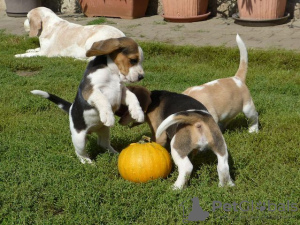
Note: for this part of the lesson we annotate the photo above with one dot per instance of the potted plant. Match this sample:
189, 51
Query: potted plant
261, 9
126, 9
185, 10
16, 8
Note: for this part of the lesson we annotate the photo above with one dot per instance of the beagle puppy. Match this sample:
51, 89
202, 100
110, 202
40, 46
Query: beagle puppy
227, 97
59, 37
102, 91
187, 124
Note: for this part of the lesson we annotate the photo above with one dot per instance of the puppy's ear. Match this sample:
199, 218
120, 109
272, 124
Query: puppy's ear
35, 22
103, 47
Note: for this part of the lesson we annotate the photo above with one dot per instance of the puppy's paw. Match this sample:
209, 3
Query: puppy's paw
18, 56
177, 187
137, 114
107, 118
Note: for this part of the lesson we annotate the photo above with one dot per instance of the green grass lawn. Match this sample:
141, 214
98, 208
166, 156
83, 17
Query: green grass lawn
42, 181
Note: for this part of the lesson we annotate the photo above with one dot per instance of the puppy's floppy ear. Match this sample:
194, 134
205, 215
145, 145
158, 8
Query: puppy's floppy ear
103, 47
35, 24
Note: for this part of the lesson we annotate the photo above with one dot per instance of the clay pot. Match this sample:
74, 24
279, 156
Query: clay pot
126, 9
261, 9
19, 8
185, 10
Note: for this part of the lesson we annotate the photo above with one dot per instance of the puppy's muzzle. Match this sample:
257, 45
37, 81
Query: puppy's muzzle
140, 77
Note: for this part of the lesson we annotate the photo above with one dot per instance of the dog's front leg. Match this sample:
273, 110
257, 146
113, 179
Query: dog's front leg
28, 54
101, 103
134, 108
33, 50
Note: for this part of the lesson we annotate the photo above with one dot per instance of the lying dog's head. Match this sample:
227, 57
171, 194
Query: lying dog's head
35, 18
125, 53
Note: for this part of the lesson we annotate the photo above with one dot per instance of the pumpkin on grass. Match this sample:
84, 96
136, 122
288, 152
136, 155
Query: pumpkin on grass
144, 161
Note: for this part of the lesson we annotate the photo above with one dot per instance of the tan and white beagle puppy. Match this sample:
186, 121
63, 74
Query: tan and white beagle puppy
59, 37
102, 91
187, 124
226, 98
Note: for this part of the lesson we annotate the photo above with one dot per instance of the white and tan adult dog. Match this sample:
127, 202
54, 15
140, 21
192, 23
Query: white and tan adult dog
102, 91
226, 98
59, 37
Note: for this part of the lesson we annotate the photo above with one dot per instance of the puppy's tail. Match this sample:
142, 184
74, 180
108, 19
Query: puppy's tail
242, 71
61, 103
185, 117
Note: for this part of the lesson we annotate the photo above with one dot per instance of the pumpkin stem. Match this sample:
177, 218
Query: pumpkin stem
145, 139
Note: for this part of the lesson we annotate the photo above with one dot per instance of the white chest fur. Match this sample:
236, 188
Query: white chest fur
109, 85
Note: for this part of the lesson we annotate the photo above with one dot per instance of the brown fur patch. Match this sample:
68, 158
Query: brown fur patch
242, 71
222, 97
196, 126
35, 23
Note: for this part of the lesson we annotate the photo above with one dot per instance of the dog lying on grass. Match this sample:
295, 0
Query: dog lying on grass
102, 91
226, 98
59, 37
187, 124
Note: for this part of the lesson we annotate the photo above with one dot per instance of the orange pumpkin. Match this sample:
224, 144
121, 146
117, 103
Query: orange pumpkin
141, 162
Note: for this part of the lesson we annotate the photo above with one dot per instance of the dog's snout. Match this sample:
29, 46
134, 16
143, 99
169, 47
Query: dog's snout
140, 77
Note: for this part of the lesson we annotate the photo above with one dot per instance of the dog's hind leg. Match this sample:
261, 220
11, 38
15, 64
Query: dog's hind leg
79, 141
104, 139
251, 113
185, 167
223, 170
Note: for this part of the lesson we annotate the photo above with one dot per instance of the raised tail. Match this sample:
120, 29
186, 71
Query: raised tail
242, 71
61, 103
185, 117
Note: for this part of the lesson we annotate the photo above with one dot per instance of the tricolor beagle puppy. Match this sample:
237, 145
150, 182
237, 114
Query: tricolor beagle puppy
187, 124
59, 37
227, 97
102, 91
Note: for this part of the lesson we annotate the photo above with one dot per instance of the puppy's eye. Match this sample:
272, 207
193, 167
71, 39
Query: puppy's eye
133, 61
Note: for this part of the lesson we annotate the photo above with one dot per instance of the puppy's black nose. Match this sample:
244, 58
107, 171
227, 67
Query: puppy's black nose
140, 77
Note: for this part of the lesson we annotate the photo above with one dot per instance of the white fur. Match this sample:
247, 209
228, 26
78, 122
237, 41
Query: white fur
211, 83
164, 125
237, 81
41, 93
194, 110
223, 170
242, 49
251, 113
55, 32
185, 167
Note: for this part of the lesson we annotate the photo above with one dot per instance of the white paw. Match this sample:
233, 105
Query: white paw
229, 184
107, 118
18, 55
84, 160
253, 129
137, 114
176, 187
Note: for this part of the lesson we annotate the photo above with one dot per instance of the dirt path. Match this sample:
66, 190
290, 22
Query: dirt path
214, 32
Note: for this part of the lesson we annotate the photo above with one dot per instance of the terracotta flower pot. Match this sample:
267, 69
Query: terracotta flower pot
185, 10
261, 9
126, 9
18, 8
